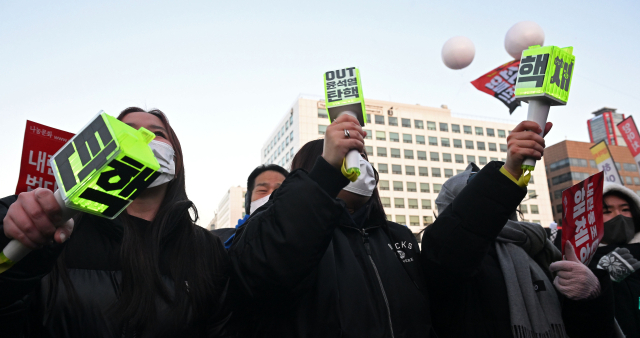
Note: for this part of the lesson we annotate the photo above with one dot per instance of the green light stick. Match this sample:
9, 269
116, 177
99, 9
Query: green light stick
544, 79
343, 95
100, 171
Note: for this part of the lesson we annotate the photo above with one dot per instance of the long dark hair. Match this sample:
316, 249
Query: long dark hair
306, 158
633, 207
173, 246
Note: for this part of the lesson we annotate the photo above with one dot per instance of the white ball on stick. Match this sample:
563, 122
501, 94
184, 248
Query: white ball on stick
458, 52
522, 35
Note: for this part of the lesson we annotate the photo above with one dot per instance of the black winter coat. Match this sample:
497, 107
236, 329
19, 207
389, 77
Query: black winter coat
626, 293
308, 270
466, 286
92, 258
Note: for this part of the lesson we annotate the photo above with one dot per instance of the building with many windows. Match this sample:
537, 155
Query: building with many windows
569, 162
230, 209
604, 127
415, 150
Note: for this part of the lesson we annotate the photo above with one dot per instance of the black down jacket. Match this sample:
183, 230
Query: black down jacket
92, 258
467, 289
308, 270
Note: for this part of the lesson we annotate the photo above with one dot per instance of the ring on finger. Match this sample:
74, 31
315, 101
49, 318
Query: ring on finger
346, 133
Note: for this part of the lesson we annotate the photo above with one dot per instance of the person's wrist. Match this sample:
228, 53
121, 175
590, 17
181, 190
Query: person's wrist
515, 171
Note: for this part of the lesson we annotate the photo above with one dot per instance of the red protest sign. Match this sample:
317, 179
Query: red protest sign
40, 143
629, 131
582, 223
500, 83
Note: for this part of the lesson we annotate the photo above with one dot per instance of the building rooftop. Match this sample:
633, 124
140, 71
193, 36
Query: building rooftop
604, 110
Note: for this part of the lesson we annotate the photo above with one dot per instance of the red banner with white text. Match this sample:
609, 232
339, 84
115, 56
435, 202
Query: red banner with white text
582, 223
501, 84
629, 131
40, 143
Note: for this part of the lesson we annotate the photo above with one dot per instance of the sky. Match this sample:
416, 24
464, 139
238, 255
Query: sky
225, 72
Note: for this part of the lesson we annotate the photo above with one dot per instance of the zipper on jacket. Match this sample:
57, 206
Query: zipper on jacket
365, 240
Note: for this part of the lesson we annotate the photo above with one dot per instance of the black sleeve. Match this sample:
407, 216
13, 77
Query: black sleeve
459, 239
18, 283
592, 317
281, 244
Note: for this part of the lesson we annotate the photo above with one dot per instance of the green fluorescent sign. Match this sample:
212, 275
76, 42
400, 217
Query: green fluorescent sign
343, 92
105, 166
545, 72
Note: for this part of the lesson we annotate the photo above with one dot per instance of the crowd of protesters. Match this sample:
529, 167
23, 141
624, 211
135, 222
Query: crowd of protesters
316, 256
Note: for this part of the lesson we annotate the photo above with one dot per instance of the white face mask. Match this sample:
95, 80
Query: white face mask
164, 154
258, 203
365, 183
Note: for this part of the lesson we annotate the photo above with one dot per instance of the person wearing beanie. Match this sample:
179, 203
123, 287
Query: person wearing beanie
619, 252
493, 279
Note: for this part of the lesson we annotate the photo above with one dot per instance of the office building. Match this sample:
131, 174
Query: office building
230, 209
569, 162
603, 127
415, 149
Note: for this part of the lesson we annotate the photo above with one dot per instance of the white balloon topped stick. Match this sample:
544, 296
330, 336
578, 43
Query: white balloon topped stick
458, 52
522, 35
343, 95
544, 79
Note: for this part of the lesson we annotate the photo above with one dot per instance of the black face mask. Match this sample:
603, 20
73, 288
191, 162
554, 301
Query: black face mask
618, 230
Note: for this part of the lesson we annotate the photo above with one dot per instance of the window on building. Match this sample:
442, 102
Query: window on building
532, 193
503, 148
414, 220
381, 135
382, 151
437, 188
592, 163
636, 181
399, 203
393, 121
408, 154
471, 158
383, 168
459, 171
291, 119
558, 194
427, 220
287, 156
394, 137
482, 160
444, 126
630, 167
369, 120
411, 187
455, 128
459, 158
444, 142
423, 171
368, 150
448, 173
397, 185
322, 129
457, 143
479, 131
629, 180
566, 162
419, 139
379, 119
322, 113
396, 169
468, 144
406, 123
523, 209
368, 137
491, 132
435, 172
492, 147
410, 170
618, 166
291, 137
418, 124
406, 138
572, 175
422, 155
424, 187
493, 159
434, 156
383, 184
431, 125
501, 133
481, 145
400, 219
386, 202
534, 209
446, 157
467, 130
426, 204
413, 203
559, 209
433, 141
395, 153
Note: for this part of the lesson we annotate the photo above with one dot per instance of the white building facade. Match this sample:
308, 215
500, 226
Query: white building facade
415, 149
230, 209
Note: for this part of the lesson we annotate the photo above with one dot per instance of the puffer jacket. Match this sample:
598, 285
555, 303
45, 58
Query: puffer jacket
92, 259
310, 269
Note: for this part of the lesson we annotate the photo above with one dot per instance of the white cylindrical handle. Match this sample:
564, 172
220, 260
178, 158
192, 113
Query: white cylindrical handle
353, 159
15, 251
538, 113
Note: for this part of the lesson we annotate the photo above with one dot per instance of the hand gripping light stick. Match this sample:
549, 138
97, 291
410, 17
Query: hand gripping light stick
544, 79
343, 95
100, 171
